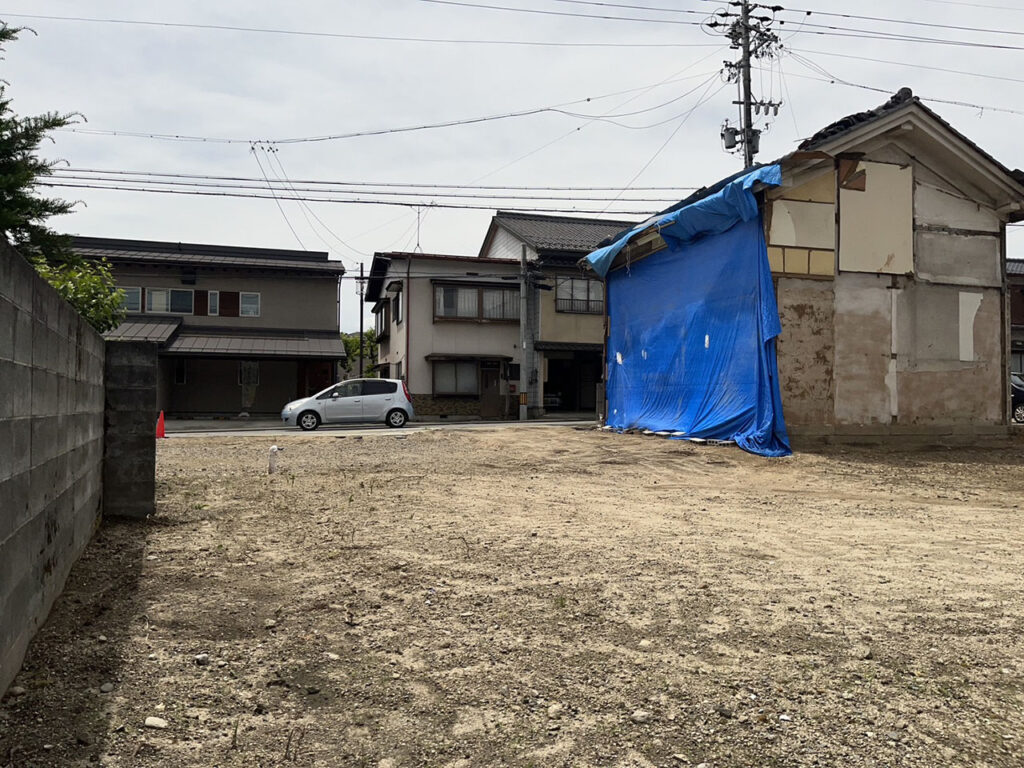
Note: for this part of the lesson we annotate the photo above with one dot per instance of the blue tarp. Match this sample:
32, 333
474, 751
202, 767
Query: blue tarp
691, 345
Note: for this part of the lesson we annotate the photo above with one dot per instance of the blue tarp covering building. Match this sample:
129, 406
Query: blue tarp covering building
692, 327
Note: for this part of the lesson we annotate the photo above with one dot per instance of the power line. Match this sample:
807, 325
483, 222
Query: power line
462, 4
368, 183
908, 22
347, 36
555, 109
350, 201
909, 64
830, 78
269, 185
279, 206
704, 98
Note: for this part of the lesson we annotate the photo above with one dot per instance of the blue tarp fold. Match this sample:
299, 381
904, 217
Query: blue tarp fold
691, 345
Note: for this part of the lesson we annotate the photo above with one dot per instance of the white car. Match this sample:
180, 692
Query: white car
355, 400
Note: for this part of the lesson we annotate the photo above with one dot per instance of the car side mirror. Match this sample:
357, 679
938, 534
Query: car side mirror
335, 394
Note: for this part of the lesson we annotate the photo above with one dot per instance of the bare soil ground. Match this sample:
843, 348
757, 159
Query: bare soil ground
540, 597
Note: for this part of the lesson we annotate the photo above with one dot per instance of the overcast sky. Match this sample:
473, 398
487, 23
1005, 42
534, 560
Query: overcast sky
254, 85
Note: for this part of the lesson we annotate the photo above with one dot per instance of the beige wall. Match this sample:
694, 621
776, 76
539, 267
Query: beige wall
285, 302
567, 326
451, 337
800, 224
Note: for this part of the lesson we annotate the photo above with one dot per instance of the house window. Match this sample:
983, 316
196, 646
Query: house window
580, 295
180, 372
177, 301
213, 303
455, 378
132, 300
455, 301
475, 303
396, 308
500, 304
513, 372
249, 304
398, 370
249, 373
1017, 362
382, 319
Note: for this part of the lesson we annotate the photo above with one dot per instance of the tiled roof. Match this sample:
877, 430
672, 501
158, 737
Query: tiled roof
141, 328
225, 342
199, 255
904, 97
560, 233
1015, 266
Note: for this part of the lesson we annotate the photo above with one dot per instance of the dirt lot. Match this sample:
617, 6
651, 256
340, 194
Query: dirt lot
540, 597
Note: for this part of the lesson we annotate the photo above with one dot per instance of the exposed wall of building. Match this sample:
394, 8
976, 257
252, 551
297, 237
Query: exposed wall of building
806, 351
916, 318
129, 449
309, 303
800, 227
51, 450
209, 383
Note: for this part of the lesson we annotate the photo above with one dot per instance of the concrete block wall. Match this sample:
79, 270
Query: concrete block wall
51, 449
129, 466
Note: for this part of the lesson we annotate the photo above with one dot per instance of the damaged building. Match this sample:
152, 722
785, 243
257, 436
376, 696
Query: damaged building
884, 236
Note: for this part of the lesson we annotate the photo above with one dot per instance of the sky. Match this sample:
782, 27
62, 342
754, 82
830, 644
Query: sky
654, 81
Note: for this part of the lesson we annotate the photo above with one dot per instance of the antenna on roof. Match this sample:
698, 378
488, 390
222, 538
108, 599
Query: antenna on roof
419, 219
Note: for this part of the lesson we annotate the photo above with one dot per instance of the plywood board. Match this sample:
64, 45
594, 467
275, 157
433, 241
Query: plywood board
876, 226
803, 225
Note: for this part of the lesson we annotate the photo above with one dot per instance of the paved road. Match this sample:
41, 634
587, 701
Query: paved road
185, 428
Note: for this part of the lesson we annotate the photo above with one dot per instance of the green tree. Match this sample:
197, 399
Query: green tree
351, 341
87, 285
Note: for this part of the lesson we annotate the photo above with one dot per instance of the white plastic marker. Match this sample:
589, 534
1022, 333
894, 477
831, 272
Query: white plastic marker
272, 467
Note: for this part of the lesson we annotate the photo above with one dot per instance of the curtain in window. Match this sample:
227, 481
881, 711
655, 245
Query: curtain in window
494, 303
466, 378
444, 378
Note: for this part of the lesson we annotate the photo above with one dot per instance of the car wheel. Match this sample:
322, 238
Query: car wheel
397, 418
308, 420
1018, 414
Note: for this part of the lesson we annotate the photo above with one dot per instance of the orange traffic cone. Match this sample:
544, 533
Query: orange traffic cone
160, 426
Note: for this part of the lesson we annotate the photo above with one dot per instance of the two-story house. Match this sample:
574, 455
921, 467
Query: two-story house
238, 329
449, 326
567, 303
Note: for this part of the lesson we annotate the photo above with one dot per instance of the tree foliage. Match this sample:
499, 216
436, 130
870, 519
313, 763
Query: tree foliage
351, 341
87, 285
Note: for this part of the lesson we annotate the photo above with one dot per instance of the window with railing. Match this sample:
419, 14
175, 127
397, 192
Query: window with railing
580, 295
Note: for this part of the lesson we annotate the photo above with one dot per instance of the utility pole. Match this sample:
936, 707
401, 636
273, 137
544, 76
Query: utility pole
748, 121
751, 35
526, 375
361, 338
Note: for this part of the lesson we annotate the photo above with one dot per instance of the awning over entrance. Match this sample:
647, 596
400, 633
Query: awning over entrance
134, 328
194, 341
567, 346
455, 356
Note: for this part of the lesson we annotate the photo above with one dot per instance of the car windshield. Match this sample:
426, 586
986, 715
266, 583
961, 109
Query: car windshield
1017, 380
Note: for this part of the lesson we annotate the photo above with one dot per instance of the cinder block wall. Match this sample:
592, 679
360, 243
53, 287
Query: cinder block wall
51, 450
129, 467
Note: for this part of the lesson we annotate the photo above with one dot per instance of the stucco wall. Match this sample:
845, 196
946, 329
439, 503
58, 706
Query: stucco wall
445, 336
309, 303
806, 351
51, 450
567, 326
